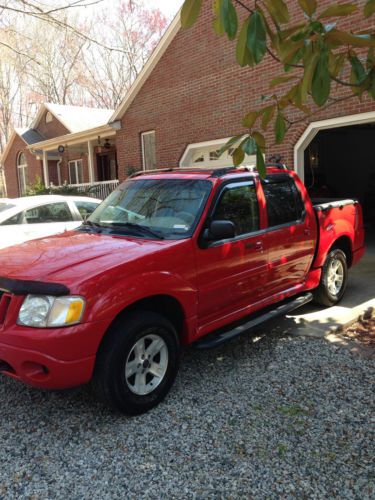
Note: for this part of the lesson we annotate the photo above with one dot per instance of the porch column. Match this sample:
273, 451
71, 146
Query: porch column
45, 168
90, 147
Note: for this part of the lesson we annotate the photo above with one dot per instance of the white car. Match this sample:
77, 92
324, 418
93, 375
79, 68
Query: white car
23, 219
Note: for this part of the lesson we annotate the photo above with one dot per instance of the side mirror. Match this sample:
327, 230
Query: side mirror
221, 230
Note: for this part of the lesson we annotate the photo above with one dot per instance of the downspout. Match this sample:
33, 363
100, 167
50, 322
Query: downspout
59, 171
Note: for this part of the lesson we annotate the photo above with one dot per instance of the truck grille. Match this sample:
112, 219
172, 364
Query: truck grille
5, 299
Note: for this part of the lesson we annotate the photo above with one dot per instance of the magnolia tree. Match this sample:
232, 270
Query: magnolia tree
312, 53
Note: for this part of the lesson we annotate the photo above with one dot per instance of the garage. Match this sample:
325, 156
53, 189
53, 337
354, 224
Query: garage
336, 159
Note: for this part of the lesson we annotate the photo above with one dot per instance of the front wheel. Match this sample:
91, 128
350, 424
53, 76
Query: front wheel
334, 279
137, 363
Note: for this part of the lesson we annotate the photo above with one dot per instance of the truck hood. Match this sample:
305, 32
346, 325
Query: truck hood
74, 256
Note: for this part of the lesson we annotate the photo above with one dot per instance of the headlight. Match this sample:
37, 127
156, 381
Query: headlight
44, 311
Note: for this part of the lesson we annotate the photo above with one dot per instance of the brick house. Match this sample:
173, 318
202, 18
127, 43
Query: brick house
64, 144
191, 96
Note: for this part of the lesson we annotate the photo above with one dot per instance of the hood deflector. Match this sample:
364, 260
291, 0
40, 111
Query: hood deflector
21, 287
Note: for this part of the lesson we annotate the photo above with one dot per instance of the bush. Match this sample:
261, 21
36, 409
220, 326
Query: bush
39, 188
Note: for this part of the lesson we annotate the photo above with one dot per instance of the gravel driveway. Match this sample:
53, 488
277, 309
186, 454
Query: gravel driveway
271, 417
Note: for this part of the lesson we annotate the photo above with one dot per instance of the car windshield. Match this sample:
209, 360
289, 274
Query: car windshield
6, 206
164, 208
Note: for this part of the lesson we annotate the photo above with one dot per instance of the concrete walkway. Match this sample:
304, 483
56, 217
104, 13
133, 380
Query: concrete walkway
317, 322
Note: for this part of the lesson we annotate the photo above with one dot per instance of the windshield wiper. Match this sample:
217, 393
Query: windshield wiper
94, 225
137, 227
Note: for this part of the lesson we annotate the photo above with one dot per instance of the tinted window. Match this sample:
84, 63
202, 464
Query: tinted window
54, 212
283, 200
16, 219
239, 205
85, 208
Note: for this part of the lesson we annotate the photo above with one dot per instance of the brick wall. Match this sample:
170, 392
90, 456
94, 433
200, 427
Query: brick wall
10, 167
198, 93
51, 129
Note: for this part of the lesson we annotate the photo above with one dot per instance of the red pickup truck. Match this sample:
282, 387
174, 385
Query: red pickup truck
170, 258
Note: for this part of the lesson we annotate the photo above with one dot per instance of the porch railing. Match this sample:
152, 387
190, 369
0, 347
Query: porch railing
96, 189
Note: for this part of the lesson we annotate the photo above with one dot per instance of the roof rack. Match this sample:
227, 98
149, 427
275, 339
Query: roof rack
215, 171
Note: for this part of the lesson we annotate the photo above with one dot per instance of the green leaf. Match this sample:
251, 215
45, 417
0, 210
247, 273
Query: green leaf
229, 19
261, 166
336, 63
310, 66
343, 9
238, 156
250, 119
260, 140
280, 128
321, 83
358, 70
308, 6
190, 12
278, 11
281, 79
345, 38
217, 22
243, 54
249, 146
369, 8
268, 113
231, 142
257, 37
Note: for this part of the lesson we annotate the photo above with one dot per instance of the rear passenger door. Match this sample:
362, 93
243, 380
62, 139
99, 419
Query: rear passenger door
290, 237
48, 219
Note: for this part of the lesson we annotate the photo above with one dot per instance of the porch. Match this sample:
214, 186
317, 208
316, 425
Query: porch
85, 161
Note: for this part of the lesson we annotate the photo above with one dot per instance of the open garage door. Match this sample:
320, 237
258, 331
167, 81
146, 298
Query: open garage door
340, 162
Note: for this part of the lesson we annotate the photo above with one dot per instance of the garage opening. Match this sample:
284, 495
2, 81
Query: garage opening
340, 163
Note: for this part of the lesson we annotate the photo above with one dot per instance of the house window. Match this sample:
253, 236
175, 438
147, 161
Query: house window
207, 154
75, 172
22, 173
49, 117
148, 150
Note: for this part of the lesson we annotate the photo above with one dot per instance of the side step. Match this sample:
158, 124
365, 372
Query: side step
214, 340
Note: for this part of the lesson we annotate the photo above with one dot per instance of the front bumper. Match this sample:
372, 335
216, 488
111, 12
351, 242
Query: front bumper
51, 358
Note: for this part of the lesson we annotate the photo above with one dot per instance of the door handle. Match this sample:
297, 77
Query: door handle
258, 245
307, 232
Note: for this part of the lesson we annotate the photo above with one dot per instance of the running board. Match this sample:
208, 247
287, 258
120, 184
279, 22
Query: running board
214, 340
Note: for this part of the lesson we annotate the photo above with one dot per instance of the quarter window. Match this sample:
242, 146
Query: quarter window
284, 203
239, 204
148, 150
75, 172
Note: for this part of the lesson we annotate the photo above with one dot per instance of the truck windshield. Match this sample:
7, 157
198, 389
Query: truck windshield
164, 208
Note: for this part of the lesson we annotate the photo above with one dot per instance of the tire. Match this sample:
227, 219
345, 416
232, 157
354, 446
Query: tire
123, 379
331, 290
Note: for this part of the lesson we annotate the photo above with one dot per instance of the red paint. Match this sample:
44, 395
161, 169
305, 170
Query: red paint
214, 286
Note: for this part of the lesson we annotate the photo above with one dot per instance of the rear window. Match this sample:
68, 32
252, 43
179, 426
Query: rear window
284, 203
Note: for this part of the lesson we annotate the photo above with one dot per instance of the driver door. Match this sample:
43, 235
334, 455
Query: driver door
232, 273
46, 220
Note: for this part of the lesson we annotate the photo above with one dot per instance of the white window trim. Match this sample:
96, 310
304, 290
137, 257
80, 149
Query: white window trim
21, 168
148, 132
191, 149
75, 162
313, 129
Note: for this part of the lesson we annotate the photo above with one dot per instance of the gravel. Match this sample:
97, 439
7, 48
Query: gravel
262, 417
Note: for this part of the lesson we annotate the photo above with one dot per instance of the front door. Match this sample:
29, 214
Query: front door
107, 167
231, 273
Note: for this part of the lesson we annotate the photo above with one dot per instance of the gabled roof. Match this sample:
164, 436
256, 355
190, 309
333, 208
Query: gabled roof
74, 118
155, 57
29, 135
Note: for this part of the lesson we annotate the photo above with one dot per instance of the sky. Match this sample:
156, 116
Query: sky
168, 7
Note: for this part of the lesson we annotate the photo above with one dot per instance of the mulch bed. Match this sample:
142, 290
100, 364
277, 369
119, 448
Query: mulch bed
362, 331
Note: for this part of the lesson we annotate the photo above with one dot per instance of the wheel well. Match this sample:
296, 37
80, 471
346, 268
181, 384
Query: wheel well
345, 245
167, 306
